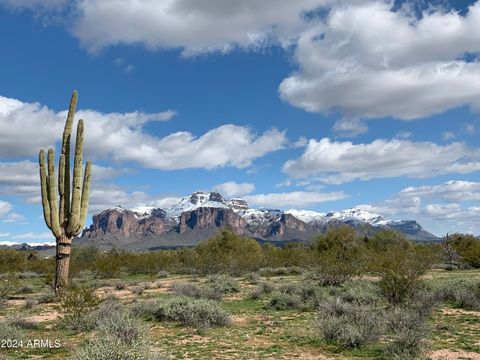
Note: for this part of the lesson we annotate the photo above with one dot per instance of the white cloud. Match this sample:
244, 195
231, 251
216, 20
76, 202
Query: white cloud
448, 135
106, 196
448, 191
233, 189
121, 136
13, 217
195, 26
294, 198
4, 235
338, 162
27, 127
367, 61
33, 236
5, 208
22, 178
441, 208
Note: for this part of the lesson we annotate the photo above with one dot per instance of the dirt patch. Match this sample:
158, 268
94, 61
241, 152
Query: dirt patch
450, 311
453, 355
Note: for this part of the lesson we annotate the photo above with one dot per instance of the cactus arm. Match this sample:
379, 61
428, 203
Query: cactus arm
85, 196
64, 171
52, 195
61, 189
44, 188
74, 217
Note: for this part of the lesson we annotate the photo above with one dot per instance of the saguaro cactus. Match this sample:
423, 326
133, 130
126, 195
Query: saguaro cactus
65, 216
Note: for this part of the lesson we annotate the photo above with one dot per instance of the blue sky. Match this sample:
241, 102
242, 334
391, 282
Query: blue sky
312, 104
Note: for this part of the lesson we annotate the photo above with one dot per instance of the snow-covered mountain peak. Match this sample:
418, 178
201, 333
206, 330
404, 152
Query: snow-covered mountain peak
353, 215
196, 200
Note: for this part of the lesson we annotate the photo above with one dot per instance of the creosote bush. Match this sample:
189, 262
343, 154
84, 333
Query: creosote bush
77, 304
198, 313
348, 325
224, 284
195, 291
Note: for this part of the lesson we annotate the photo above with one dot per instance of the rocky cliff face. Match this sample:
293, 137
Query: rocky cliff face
199, 215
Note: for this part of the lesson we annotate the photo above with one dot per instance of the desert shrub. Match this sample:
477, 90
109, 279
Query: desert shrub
30, 303
77, 304
199, 313
111, 348
28, 275
280, 271
122, 326
284, 301
192, 290
22, 323
261, 289
348, 325
253, 278
399, 264
120, 285
108, 308
462, 294
10, 332
408, 329
339, 256
224, 284
138, 290
145, 308
359, 292
162, 274
228, 253
466, 248
308, 294
46, 297
9, 285
25, 289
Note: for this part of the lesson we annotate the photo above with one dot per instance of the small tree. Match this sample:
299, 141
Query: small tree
339, 255
65, 216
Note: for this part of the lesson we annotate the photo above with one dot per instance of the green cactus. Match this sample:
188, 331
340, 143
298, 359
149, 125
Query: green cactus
65, 216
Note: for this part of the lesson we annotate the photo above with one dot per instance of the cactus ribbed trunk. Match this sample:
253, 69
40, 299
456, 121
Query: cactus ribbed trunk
65, 215
62, 262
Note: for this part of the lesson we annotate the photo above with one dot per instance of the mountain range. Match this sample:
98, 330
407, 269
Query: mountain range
200, 215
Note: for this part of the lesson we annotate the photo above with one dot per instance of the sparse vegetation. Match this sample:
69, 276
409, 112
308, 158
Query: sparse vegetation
391, 303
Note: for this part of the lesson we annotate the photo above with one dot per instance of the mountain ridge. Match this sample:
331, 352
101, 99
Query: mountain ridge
200, 215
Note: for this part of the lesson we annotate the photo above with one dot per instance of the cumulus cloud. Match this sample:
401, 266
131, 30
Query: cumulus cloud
106, 196
442, 208
294, 198
22, 178
232, 189
195, 26
121, 136
338, 162
367, 60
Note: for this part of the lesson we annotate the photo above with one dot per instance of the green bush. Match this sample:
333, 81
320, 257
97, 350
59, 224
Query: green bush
198, 313
359, 292
284, 301
228, 253
399, 264
261, 289
77, 305
145, 308
224, 284
339, 256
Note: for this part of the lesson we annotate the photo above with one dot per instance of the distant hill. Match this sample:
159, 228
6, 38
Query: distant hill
200, 215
